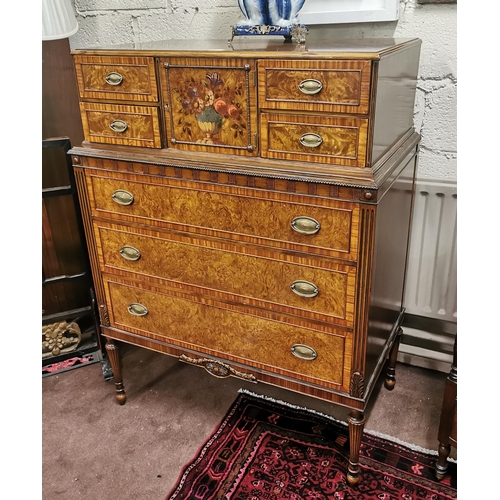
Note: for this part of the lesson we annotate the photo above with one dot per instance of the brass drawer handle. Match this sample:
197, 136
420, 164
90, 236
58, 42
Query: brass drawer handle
136, 309
310, 86
130, 253
305, 225
114, 78
118, 126
304, 289
123, 197
304, 352
310, 140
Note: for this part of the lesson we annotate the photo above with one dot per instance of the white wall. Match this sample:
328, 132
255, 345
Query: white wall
104, 22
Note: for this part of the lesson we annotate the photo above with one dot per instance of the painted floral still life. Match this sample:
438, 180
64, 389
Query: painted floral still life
215, 106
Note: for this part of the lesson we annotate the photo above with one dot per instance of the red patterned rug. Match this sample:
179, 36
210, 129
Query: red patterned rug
268, 450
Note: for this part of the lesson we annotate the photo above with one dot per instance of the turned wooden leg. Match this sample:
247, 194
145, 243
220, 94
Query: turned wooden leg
447, 432
356, 424
112, 351
390, 380
442, 461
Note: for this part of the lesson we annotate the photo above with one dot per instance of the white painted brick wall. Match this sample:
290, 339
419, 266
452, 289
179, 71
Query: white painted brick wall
105, 22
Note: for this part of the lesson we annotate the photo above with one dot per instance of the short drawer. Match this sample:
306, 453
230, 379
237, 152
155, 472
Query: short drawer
123, 125
275, 346
124, 78
341, 86
332, 140
264, 279
330, 231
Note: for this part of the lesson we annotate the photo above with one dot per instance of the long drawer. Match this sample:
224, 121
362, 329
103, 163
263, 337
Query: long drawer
242, 215
188, 322
242, 273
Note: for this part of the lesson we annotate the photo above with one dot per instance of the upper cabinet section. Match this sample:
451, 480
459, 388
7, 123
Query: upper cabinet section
332, 105
210, 104
315, 86
123, 78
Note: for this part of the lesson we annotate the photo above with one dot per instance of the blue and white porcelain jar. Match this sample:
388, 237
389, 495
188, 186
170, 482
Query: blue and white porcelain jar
281, 13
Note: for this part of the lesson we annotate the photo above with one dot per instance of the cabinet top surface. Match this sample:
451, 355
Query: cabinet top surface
373, 48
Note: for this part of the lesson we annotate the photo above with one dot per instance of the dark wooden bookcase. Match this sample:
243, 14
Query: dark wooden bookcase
67, 286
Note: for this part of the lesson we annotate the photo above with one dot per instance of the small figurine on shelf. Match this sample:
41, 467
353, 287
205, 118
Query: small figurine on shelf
271, 17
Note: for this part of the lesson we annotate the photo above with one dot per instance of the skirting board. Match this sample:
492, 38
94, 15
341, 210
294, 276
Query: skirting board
426, 350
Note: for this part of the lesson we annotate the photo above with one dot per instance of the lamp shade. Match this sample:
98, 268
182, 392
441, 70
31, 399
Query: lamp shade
58, 19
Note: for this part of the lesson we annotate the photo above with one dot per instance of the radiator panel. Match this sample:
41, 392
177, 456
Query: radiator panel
430, 296
431, 281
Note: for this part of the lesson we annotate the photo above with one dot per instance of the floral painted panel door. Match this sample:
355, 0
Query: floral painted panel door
210, 104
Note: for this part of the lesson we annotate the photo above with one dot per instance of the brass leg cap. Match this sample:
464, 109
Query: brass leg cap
389, 384
121, 398
352, 480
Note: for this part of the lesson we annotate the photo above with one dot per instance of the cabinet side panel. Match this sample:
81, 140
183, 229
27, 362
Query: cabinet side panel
395, 98
391, 246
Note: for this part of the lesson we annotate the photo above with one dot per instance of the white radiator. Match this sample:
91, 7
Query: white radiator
431, 280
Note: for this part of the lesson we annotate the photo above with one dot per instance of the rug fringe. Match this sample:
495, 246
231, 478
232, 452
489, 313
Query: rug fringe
395, 440
290, 405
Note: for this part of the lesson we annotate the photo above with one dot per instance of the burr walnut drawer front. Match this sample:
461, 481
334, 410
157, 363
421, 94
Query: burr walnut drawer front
239, 273
333, 140
216, 329
123, 78
315, 86
123, 125
330, 231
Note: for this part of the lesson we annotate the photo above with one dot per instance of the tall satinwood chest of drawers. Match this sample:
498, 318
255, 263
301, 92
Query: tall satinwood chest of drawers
247, 207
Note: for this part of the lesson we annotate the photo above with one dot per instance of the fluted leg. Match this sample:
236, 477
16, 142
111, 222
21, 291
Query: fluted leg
390, 380
112, 350
356, 425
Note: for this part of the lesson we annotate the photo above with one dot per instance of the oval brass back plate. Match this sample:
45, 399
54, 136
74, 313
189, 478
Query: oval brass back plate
114, 78
305, 225
118, 126
310, 140
123, 197
304, 289
304, 352
310, 86
136, 309
130, 253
